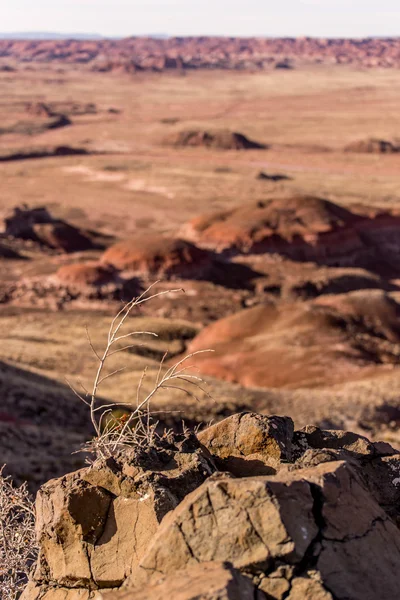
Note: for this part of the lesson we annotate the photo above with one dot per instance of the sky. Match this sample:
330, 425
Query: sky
328, 18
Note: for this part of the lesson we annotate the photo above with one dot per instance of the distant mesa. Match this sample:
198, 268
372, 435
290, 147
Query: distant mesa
303, 228
39, 225
137, 54
373, 146
263, 176
160, 256
221, 139
34, 152
294, 345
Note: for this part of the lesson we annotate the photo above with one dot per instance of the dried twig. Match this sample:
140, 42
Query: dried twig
136, 429
18, 548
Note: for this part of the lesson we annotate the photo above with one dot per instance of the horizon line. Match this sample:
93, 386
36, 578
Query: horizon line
99, 36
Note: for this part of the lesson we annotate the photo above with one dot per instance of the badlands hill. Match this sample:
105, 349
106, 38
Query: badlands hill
151, 54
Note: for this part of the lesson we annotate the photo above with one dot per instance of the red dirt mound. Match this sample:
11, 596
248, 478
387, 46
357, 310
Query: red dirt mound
222, 139
295, 345
61, 236
284, 223
39, 225
373, 146
160, 256
86, 274
304, 228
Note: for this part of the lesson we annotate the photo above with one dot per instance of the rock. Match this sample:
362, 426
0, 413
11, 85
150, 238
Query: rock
268, 519
94, 525
355, 444
221, 139
292, 345
373, 146
304, 588
206, 581
377, 463
249, 444
158, 256
319, 520
38, 592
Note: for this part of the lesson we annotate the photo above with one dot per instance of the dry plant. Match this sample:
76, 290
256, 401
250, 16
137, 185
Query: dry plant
138, 428
18, 547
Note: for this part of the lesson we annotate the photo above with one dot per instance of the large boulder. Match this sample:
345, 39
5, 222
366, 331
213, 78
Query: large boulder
249, 441
94, 525
206, 581
161, 522
320, 520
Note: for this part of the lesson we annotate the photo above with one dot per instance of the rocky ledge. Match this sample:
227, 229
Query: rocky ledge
247, 509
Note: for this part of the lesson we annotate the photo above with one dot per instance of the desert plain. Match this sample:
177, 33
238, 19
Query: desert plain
306, 325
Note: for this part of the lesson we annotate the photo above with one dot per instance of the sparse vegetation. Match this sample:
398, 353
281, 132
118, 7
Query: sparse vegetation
138, 428
18, 549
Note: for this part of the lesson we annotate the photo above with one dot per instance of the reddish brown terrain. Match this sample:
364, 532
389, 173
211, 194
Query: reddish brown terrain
236, 436
262, 203
148, 54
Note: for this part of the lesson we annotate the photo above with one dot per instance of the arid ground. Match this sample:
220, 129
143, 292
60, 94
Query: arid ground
132, 181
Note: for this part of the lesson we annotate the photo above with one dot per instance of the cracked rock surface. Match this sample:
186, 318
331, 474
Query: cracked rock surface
249, 509
208, 581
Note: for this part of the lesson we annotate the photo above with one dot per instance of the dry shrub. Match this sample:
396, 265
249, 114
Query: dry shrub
136, 428
18, 548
